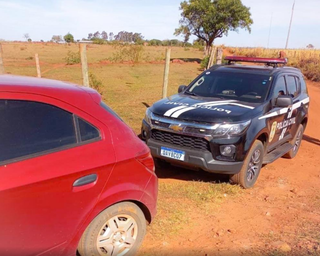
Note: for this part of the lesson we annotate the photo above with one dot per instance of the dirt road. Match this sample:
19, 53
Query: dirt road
279, 216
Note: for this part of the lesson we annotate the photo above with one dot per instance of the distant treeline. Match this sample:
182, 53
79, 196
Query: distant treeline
136, 38
122, 37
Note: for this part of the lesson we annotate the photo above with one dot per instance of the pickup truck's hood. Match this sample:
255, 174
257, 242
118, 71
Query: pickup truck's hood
202, 109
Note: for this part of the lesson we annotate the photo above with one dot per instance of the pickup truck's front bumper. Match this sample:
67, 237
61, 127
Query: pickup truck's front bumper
195, 159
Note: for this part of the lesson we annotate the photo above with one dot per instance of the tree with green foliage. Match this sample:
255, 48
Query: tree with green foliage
68, 38
26, 36
165, 42
211, 19
155, 42
90, 35
97, 34
137, 38
111, 35
56, 38
310, 46
104, 35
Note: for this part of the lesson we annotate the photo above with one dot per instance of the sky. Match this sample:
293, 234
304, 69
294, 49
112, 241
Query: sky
42, 19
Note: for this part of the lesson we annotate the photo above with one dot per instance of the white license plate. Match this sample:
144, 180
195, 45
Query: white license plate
172, 153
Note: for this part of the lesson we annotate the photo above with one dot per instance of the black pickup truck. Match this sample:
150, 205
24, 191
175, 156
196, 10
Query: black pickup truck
231, 119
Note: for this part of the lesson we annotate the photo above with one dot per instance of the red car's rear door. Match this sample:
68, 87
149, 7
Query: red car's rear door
49, 182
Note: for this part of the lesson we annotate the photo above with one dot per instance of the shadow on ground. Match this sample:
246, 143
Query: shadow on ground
188, 59
311, 140
168, 171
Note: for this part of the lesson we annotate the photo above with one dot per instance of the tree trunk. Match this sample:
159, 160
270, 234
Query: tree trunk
208, 47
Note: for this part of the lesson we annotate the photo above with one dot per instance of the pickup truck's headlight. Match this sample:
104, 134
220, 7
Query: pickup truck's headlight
147, 116
231, 129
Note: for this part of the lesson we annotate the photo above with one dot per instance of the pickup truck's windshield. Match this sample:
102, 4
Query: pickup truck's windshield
231, 85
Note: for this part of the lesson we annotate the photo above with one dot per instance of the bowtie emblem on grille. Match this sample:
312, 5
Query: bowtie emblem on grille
177, 127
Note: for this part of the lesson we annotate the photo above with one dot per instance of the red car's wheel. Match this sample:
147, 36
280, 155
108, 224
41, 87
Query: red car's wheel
118, 230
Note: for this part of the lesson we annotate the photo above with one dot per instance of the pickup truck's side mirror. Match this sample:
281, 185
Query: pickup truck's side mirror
181, 88
284, 101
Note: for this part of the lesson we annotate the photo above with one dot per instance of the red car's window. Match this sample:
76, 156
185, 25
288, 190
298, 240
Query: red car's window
28, 127
87, 131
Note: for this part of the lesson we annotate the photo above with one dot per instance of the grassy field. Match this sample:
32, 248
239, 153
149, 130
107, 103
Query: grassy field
125, 86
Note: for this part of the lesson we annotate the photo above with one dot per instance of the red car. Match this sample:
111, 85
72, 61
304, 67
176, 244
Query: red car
74, 176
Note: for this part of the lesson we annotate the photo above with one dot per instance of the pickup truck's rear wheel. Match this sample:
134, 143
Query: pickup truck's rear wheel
296, 142
250, 170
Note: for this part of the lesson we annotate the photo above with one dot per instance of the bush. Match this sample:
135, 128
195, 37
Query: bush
73, 58
135, 53
68, 38
98, 41
198, 45
310, 67
128, 52
204, 62
155, 42
95, 83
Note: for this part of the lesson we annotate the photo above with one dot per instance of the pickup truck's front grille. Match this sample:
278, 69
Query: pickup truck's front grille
180, 140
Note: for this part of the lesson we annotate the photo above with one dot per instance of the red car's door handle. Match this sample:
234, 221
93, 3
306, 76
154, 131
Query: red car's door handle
92, 178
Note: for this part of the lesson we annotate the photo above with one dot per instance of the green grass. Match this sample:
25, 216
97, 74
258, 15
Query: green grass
177, 202
201, 193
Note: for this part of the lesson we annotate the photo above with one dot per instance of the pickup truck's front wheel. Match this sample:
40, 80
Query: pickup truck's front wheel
250, 170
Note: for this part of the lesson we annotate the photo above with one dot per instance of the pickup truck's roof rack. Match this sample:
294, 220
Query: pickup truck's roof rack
274, 62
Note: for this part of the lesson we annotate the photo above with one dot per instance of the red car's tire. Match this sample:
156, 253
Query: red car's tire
118, 229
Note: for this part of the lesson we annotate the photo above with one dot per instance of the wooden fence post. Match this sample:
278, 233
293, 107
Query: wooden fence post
219, 56
166, 73
1, 61
84, 64
38, 65
212, 55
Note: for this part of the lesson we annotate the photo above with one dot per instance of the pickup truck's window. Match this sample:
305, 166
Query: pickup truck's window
28, 127
279, 88
303, 86
87, 131
231, 85
298, 84
292, 86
